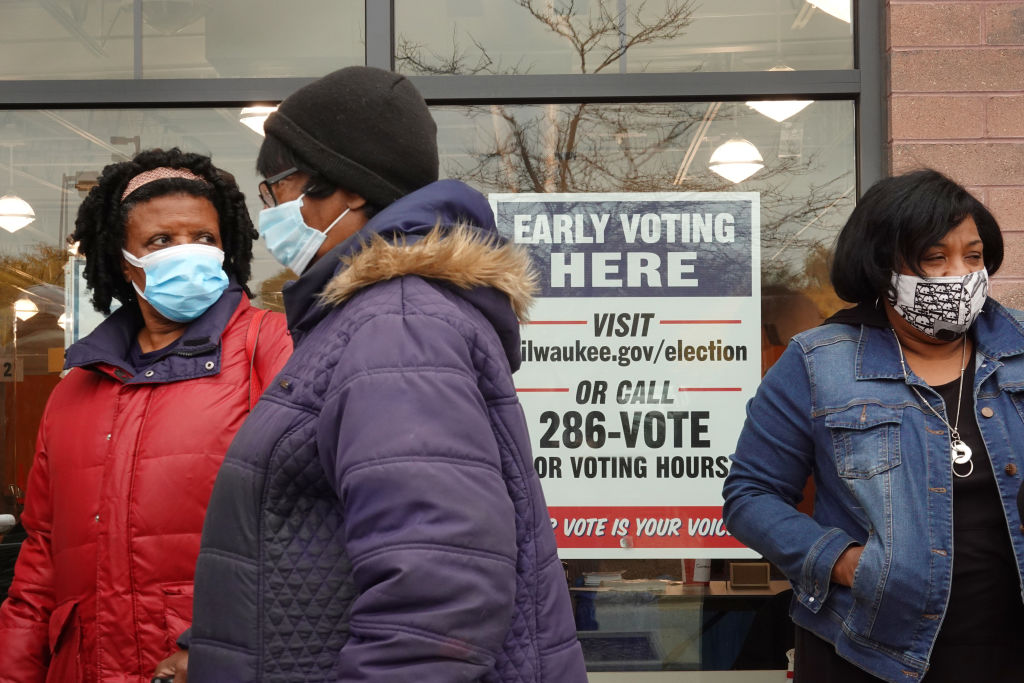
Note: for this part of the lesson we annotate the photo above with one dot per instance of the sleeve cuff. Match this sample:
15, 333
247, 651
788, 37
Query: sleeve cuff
816, 577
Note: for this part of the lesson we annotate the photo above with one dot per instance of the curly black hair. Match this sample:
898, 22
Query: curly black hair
100, 224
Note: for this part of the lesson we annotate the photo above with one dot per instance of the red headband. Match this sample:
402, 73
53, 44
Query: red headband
159, 173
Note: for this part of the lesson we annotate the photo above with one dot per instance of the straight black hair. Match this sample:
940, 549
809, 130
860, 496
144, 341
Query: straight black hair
896, 220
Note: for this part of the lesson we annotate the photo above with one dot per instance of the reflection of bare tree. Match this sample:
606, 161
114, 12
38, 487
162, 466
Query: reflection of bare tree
416, 58
603, 36
599, 37
577, 148
592, 147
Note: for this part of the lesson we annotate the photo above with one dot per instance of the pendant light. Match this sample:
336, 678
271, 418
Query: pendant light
840, 9
253, 118
25, 308
779, 110
736, 160
15, 212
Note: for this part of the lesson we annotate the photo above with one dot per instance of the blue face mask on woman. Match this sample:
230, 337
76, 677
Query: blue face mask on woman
182, 281
288, 238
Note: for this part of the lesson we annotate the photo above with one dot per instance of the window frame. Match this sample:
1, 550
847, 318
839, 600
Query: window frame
864, 84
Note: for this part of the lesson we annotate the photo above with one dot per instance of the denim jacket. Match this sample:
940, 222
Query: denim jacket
837, 405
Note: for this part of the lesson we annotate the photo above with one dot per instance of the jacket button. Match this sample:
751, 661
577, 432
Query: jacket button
97, 518
149, 373
987, 412
209, 365
108, 437
1011, 469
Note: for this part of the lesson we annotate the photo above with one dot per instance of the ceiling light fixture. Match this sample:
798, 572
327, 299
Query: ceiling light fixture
779, 110
25, 308
736, 160
840, 9
254, 117
15, 213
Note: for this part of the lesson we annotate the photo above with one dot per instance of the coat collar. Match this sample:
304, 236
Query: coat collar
997, 334
443, 232
107, 347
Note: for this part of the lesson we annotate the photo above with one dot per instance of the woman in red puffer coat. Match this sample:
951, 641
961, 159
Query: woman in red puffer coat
133, 436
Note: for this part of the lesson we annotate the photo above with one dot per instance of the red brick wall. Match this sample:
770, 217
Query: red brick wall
957, 105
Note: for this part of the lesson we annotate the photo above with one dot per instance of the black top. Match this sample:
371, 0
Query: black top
984, 621
140, 361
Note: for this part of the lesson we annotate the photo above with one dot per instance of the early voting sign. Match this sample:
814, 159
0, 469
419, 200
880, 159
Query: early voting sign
641, 352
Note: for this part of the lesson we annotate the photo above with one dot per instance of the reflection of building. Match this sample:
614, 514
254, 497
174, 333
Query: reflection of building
522, 107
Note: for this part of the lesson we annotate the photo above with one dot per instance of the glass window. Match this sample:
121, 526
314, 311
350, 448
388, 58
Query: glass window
48, 157
179, 38
620, 36
672, 613
679, 611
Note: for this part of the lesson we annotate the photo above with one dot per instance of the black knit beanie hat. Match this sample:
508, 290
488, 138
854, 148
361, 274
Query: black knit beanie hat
365, 129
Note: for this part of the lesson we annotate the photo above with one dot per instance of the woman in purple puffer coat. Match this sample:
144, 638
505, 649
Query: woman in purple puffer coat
378, 518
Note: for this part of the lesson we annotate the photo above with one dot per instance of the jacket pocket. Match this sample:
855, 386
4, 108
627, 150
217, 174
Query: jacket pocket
868, 588
177, 609
865, 440
65, 632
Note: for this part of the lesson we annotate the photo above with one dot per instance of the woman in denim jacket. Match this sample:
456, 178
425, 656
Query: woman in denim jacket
908, 411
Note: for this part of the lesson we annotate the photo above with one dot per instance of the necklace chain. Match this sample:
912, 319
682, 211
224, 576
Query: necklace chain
960, 452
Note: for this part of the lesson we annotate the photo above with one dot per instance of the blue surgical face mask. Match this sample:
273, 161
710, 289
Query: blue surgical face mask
289, 239
183, 281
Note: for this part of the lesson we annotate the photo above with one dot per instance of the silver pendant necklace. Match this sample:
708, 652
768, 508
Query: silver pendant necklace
959, 452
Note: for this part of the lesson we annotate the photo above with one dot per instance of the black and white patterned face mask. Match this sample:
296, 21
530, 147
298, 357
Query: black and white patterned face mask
941, 307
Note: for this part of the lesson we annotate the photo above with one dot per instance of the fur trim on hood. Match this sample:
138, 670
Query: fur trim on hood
462, 255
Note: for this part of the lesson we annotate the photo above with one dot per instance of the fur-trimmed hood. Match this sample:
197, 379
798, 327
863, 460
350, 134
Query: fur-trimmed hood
461, 255
444, 232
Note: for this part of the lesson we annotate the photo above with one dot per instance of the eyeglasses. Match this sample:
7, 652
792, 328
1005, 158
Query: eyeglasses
267, 187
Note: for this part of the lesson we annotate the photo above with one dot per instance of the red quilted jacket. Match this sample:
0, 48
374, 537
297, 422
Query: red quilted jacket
118, 491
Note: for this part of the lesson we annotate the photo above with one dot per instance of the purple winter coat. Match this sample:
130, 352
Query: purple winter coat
378, 517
